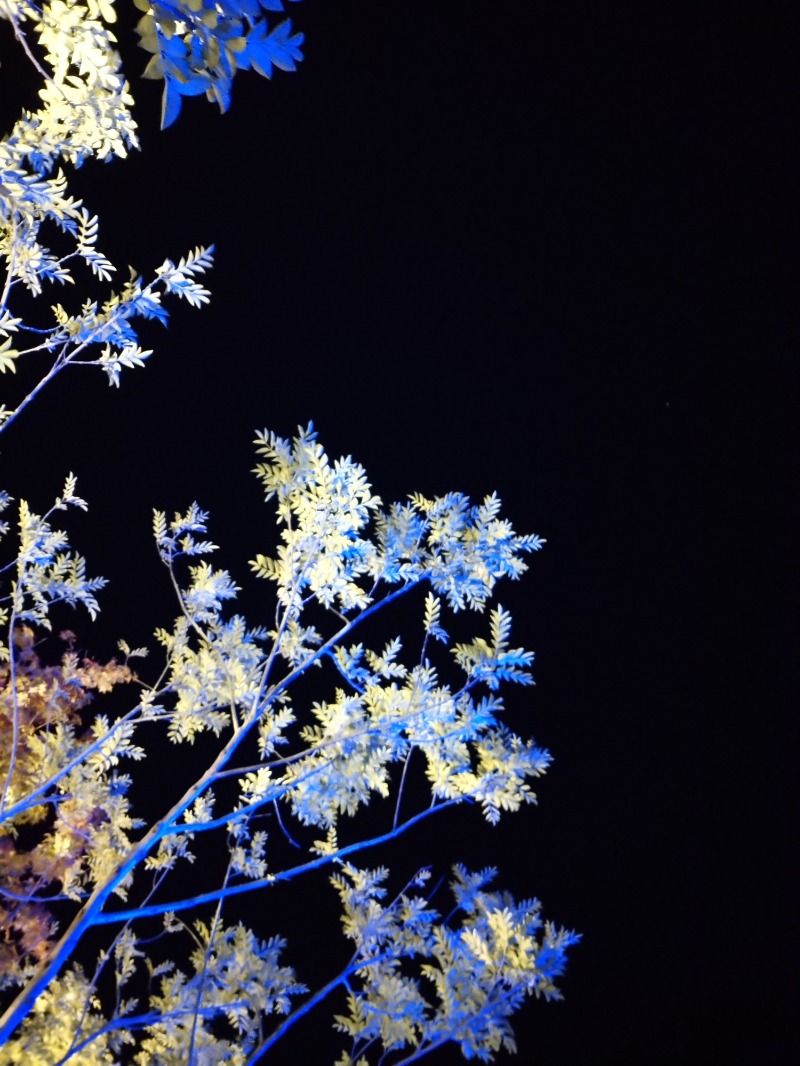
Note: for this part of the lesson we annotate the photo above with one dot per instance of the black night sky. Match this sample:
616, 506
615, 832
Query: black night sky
547, 249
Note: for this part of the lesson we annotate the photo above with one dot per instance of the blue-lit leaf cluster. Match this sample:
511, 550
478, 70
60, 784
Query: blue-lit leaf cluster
197, 46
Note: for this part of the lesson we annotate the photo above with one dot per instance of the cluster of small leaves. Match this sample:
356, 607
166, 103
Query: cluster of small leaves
461, 549
198, 45
323, 508
495, 662
74, 339
215, 664
340, 559
236, 977
47, 572
85, 113
86, 100
386, 709
468, 753
237, 981
70, 1008
482, 961
47, 749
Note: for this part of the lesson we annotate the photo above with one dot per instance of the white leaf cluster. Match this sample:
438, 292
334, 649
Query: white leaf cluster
47, 572
86, 100
180, 279
85, 113
237, 978
481, 962
323, 508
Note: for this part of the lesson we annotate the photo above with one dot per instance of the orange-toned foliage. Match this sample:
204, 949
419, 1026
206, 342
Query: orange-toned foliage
37, 700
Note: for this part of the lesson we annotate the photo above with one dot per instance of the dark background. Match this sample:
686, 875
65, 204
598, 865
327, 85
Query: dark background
546, 249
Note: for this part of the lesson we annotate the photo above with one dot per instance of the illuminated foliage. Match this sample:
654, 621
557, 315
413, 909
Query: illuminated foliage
411, 725
42, 704
198, 46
